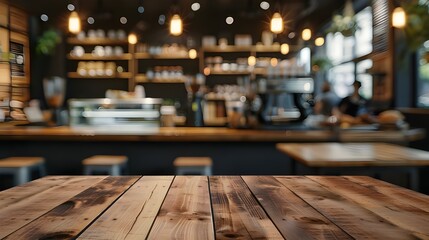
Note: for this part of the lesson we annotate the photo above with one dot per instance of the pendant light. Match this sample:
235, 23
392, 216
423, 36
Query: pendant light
277, 25
132, 39
176, 25
399, 18
319, 41
306, 34
284, 48
74, 23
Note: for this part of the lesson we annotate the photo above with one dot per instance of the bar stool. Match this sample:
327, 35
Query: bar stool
21, 168
193, 165
104, 163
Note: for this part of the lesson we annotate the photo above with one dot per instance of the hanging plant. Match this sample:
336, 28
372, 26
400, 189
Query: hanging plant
345, 24
417, 26
47, 43
321, 64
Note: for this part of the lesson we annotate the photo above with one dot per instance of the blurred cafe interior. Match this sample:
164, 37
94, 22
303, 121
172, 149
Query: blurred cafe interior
223, 83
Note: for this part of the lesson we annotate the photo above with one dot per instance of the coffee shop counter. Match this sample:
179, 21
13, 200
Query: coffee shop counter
234, 151
204, 134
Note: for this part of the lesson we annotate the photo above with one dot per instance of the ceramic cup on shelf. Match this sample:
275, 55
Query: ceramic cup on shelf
111, 34
92, 34
108, 50
100, 33
118, 51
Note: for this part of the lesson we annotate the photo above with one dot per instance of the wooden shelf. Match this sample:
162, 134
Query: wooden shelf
90, 57
232, 48
141, 78
213, 72
97, 41
162, 56
123, 75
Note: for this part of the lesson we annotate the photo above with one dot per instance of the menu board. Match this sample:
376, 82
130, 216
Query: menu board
17, 60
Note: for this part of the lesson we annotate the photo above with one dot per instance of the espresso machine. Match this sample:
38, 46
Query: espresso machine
285, 100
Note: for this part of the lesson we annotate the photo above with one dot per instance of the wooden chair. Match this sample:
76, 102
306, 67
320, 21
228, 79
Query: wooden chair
193, 165
104, 163
21, 168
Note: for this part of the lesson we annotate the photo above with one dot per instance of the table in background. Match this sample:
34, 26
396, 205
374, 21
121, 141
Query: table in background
372, 157
217, 207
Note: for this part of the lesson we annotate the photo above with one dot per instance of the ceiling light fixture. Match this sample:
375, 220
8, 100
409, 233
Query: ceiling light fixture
161, 19
251, 60
74, 22
229, 20
44, 17
123, 20
70, 7
399, 18
277, 25
140, 9
91, 20
176, 25
319, 41
306, 34
264, 5
195, 6
132, 39
192, 53
284, 48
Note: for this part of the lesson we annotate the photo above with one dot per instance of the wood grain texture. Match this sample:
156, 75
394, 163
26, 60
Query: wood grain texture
354, 154
405, 216
16, 194
294, 218
357, 221
132, 216
196, 134
68, 219
404, 195
43, 195
237, 214
186, 211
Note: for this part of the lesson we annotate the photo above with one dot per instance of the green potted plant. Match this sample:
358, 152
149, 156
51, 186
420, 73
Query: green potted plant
417, 26
346, 23
47, 43
320, 64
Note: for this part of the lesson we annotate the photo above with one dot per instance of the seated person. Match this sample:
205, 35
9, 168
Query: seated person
326, 101
354, 105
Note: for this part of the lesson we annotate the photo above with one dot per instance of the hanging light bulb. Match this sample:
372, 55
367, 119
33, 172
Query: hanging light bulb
306, 34
176, 26
251, 60
277, 25
192, 53
132, 39
319, 41
284, 48
74, 22
399, 18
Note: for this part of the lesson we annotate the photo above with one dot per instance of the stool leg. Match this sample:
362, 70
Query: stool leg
86, 170
115, 170
208, 171
42, 170
22, 175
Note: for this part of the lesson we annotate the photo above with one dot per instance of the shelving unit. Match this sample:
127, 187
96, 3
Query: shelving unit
125, 60
15, 61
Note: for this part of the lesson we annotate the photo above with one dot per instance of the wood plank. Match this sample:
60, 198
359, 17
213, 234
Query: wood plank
186, 212
403, 215
68, 219
237, 214
294, 218
357, 221
132, 216
403, 195
37, 198
17, 194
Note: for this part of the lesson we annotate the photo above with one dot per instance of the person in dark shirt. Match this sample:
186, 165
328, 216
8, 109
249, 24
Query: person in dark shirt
354, 104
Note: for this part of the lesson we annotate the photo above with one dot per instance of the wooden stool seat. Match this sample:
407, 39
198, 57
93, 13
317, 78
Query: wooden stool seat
21, 167
108, 163
193, 165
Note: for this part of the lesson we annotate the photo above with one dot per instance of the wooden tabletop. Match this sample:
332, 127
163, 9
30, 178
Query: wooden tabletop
202, 134
218, 207
354, 154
